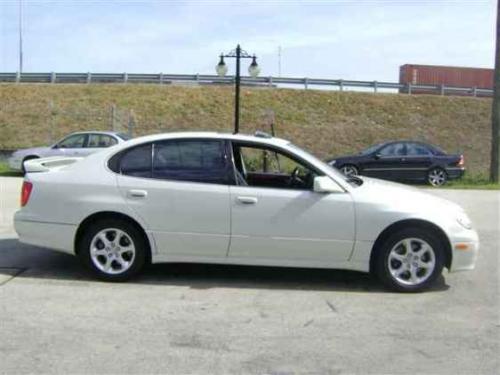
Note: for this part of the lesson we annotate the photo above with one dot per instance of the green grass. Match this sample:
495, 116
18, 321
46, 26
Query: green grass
326, 123
475, 181
6, 172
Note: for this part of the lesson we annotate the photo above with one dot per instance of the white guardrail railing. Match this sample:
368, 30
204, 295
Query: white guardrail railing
160, 78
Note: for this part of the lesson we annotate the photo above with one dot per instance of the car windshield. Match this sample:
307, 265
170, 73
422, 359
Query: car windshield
124, 136
371, 149
333, 170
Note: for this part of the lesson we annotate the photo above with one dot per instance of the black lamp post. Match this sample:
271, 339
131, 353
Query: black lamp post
253, 70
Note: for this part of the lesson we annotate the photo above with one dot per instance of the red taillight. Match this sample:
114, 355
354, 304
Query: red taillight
26, 192
461, 162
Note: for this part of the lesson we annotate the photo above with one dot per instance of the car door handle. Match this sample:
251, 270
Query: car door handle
247, 200
137, 193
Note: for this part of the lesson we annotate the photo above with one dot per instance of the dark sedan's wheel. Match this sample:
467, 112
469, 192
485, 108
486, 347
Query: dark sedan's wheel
113, 249
23, 170
437, 177
349, 170
410, 260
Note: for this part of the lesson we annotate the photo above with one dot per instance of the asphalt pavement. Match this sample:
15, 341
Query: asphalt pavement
201, 319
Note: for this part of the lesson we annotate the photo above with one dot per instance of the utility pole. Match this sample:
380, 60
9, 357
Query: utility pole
279, 61
20, 36
495, 114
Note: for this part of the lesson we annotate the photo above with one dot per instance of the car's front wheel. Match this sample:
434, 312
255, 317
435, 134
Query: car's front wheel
349, 170
410, 260
113, 249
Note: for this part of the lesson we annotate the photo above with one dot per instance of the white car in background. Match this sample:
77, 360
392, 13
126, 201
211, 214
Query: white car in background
237, 199
79, 144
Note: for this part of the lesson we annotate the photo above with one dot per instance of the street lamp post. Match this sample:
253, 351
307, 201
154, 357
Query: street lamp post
253, 70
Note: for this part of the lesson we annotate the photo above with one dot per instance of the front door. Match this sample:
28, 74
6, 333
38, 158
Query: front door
179, 188
387, 162
278, 218
73, 145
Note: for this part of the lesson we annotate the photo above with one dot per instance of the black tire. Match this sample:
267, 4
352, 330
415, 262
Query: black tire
381, 265
23, 171
354, 170
133, 235
437, 177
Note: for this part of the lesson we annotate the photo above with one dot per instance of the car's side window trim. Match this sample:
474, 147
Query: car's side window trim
279, 150
117, 168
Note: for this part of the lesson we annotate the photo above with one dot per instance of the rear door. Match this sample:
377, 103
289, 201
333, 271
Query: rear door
417, 161
180, 190
98, 142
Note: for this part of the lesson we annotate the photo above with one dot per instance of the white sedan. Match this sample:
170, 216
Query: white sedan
238, 199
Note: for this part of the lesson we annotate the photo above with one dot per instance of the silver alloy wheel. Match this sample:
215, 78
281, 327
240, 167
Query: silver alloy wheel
437, 177
411, 261
349, 170
112, 251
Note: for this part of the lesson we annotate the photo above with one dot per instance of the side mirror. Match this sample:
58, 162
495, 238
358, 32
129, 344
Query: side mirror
324, 184
377, 156
55, 146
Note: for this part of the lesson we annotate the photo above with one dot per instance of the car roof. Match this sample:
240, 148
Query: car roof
214, 135
96, 132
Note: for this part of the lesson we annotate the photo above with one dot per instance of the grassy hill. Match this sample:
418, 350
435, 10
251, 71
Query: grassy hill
326, 123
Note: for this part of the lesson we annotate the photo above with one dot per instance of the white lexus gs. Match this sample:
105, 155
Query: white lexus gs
237, 199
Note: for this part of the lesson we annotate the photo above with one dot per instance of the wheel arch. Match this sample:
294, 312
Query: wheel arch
411, 223
112, 215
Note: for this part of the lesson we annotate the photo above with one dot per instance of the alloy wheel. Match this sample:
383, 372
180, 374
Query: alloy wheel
437, 177
411, 261
349, 170
112, 251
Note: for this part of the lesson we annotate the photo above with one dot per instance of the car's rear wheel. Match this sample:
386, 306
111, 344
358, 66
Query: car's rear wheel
437, 177
349, 170
113, 249
410, 260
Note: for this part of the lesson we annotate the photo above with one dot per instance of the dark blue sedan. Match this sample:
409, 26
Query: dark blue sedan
409, 161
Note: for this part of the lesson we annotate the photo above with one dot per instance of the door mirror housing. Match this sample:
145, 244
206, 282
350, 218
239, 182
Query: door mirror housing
377, 156
324, 184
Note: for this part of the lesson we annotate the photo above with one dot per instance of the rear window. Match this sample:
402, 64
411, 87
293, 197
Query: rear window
136, 161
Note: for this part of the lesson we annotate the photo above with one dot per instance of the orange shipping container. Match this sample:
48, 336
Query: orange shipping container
446, 75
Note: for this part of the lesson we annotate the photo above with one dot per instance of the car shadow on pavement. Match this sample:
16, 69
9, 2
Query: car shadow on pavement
38, 263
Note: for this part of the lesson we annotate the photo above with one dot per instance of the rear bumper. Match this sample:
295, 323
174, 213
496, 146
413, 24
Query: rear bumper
54, 236
455, 173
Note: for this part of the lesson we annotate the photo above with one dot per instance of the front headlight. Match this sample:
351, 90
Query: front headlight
464, 221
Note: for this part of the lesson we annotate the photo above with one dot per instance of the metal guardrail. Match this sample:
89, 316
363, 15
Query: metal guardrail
160, 78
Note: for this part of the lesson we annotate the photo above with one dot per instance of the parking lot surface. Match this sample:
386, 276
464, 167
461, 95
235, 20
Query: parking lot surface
54, 318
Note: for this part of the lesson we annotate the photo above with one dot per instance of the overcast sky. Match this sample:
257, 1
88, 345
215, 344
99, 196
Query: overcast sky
324, 39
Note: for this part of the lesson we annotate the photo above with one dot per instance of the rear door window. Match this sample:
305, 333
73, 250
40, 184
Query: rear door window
191, 160
417, 149
101, 141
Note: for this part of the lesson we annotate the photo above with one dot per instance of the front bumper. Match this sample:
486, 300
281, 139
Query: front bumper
464, 251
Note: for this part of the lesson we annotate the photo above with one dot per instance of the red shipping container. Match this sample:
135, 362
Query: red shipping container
453, 76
